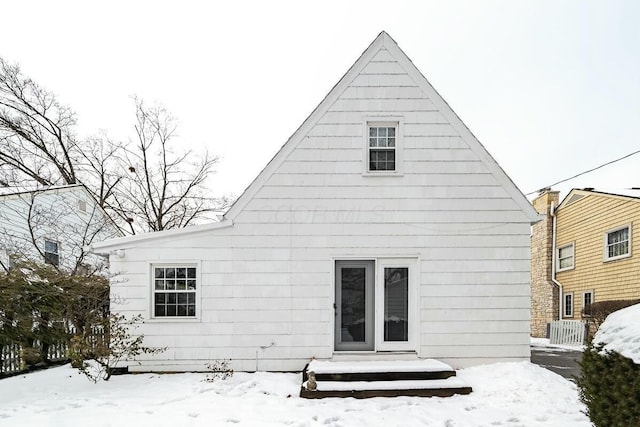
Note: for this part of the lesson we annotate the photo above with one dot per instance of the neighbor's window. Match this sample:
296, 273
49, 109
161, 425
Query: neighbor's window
174, 291
587, 298
617, 243
568, 305
51, 252
565, 257
382, 148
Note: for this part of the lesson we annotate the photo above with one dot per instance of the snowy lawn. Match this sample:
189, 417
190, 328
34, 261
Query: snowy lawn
505, 394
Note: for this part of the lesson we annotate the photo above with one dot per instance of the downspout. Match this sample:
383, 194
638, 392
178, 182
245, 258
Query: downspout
552, 212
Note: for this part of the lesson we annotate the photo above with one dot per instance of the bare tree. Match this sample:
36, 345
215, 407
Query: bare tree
146, 185
36, 132
165, 187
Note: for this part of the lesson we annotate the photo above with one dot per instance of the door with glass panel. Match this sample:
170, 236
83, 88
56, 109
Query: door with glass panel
395, 308
354, 306
375, 305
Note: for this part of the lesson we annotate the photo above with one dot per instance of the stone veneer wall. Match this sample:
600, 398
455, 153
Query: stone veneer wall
544, 293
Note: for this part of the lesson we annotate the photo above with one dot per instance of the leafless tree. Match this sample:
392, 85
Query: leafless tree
165, 187
148, 184
36, 132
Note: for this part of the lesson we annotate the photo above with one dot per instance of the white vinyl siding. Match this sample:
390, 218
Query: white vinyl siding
617, 243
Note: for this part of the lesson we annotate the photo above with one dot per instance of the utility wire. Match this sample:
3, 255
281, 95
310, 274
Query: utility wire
586, 172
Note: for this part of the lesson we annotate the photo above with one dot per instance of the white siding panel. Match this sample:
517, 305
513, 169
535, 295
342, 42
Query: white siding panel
383, 55
384, 105
376, 80
383, 68
382, 92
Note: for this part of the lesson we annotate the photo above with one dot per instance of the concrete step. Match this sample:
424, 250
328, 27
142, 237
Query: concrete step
362, 379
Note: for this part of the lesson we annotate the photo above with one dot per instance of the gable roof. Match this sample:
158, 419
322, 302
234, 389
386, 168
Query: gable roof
383, 40
577, 194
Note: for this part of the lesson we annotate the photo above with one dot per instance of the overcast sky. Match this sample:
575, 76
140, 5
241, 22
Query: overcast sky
551, 88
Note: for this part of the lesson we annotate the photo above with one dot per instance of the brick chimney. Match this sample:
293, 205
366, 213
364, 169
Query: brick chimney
544, 293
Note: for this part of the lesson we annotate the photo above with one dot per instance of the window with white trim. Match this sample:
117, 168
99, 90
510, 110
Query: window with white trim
174, 291
617, 243
382, 148
587, 298
565, 258
51, 252
568, 305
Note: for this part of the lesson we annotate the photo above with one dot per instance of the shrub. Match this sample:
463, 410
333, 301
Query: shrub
219, 370
610, 388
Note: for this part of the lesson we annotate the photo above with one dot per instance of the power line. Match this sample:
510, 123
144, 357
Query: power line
586, 172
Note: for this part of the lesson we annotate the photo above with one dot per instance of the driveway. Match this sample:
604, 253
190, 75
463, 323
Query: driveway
561, 361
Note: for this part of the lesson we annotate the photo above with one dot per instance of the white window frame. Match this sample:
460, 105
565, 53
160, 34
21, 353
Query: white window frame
384, 121
583, 298
153, 291
566, 306
606, 244
45, 251
572, 256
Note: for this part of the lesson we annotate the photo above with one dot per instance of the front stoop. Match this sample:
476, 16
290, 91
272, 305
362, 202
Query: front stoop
362, 379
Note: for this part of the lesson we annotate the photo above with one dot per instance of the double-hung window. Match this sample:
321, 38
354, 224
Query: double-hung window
565, 258
51, 252
383, 147
617, 243
174, 291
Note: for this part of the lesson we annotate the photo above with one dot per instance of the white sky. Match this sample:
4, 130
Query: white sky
551, 88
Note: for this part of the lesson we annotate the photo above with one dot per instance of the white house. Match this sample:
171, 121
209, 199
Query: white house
52, 225
382, 229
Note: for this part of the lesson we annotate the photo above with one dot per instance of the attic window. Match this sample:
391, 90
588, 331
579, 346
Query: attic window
82, 206
383, 148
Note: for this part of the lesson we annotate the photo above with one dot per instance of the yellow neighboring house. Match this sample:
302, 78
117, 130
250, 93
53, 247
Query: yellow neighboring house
594, 241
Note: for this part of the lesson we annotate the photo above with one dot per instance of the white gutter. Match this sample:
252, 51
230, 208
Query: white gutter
553, 259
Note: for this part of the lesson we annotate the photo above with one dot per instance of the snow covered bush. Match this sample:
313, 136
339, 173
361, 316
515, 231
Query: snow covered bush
597, 312
610, 379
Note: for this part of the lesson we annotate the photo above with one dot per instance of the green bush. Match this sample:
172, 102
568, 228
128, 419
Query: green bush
610, 388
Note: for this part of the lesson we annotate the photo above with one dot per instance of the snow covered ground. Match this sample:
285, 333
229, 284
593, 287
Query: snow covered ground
505, 394
621, 332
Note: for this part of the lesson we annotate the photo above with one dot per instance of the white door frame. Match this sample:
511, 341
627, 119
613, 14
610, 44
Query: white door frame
380, 263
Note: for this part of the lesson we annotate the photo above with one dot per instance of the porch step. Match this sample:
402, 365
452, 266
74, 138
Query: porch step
362, 379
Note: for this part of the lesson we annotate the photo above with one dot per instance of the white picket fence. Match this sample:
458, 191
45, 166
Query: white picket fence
568, 332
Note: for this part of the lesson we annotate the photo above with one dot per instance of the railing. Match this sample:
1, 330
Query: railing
568, 332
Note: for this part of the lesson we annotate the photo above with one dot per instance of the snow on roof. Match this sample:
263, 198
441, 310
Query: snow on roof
620, 332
